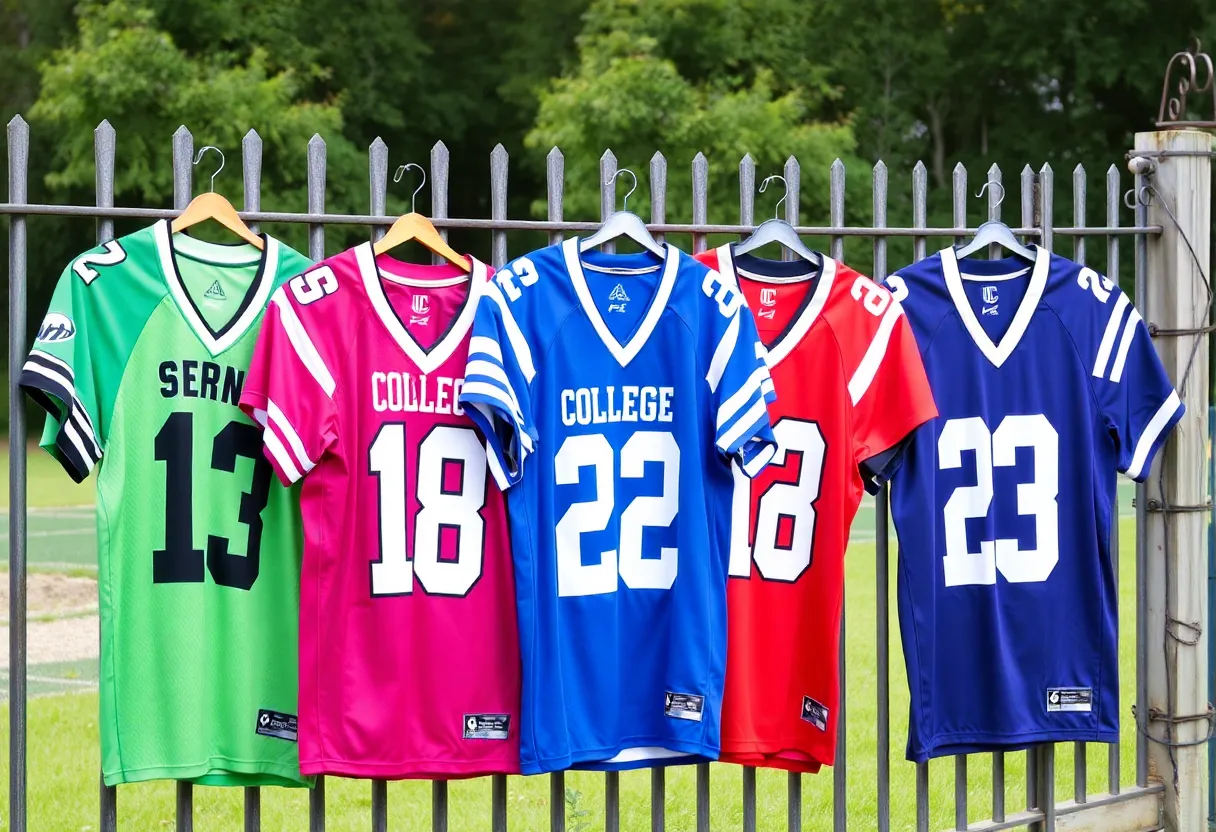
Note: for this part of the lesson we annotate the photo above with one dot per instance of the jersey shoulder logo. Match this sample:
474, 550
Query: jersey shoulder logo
56, 327
215, 292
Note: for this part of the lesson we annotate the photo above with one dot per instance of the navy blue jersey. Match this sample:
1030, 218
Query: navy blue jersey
615, 391
1047, 383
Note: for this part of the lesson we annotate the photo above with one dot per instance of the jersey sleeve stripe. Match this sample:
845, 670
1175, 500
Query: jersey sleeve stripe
722, 354
485, 346
489, 398
744, 427
284, 426
51, 361
1108, 336
746, 393
496, 469
756, 464
1125, 343
302, 344
38, 379
479, 369
284, 465
1166, 415
56, 365
515, 336
863, 376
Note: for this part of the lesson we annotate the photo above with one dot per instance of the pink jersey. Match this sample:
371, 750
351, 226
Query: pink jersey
409, 654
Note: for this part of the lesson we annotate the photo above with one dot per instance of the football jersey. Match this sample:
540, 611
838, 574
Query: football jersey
615, 390
836, 436
139, 364
1046, 384
409, 657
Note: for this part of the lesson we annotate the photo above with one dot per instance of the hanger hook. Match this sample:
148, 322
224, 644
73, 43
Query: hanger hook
764, 187
992, 183
198, 157
401, 172
634, 176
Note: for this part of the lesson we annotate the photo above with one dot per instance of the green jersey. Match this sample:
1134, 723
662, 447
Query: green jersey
139, 364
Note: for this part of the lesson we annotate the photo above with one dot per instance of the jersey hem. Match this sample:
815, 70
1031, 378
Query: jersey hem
215, 771
788, 753
410, 770
594, 759
759, 759
976, 743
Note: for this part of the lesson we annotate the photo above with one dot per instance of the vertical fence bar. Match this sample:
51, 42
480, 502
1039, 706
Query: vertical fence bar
499, 164
1046, 789
1027, 194
18, 178
882, 555
792, 172
658, 214
700, 213
1080, 774
251, 170
959, 196
439, 806
747, 190
557, 801
316, 252
555, 186
377, 182
1047, 180
183, 170
498, 803
920, 212
104, 149
749, 799
251, 176
1113, 197
996, 195
1141, 296
840, 794
377, 185
440, 175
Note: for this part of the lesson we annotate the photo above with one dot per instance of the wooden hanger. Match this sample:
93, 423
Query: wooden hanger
212, 206
414, 226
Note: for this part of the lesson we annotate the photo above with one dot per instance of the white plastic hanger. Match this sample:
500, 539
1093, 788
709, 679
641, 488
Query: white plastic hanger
777, 230
994, 232
623, 223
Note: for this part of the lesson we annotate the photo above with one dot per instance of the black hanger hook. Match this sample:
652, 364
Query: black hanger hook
611, 179
401, 172
198, 157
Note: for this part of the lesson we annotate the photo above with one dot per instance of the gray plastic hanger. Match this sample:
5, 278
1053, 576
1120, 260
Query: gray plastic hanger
623, 223
994, 232
778, 230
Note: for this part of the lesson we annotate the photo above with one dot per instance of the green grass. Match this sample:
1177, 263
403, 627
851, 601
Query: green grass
47, 484
63, 762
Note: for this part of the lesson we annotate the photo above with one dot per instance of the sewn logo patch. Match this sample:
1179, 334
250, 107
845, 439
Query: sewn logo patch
56, 327
487, 726
215, 292
684, 706
276, 724
815, 713
617, 299
1076, 700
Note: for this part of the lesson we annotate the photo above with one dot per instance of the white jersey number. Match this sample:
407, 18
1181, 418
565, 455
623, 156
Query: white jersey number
112, 256
1036, 498
593, 451
393, 573
794, 500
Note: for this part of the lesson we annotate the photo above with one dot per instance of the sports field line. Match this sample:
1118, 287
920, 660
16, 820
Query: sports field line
59, 680
53, 533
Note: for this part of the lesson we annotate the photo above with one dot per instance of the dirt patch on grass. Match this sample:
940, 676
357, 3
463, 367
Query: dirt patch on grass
51, 595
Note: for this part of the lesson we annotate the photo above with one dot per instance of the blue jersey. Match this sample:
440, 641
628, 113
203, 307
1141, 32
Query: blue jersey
1047, 383
614, 391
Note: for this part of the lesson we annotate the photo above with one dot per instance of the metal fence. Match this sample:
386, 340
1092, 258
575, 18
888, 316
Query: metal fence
1115, 808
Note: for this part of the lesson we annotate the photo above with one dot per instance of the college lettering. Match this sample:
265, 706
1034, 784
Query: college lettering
406, 392
597, 405
201, 380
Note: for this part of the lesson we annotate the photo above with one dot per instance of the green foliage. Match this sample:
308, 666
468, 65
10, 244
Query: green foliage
633, 91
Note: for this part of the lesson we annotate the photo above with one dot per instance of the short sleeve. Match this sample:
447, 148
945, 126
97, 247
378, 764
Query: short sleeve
889, 392
497, 387
58, 375
289, 392
1137, 399
740, 390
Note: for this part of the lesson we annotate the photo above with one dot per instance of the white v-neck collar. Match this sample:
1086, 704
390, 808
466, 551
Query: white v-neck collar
623, 353
996, 353
800, 324
427, 361
216, 341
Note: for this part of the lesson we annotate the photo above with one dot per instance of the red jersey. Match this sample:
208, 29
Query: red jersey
409, 655
850, 388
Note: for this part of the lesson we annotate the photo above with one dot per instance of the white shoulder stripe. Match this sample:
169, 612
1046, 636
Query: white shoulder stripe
1108, 337
731, 407
58, 362
487, 346
289, 433
728, 439
75, 407
1152, 431
863, 376
302, 344
271, 439
722, 353
519, 344
1125, 344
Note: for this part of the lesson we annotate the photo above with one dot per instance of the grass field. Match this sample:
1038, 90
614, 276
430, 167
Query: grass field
64, 756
